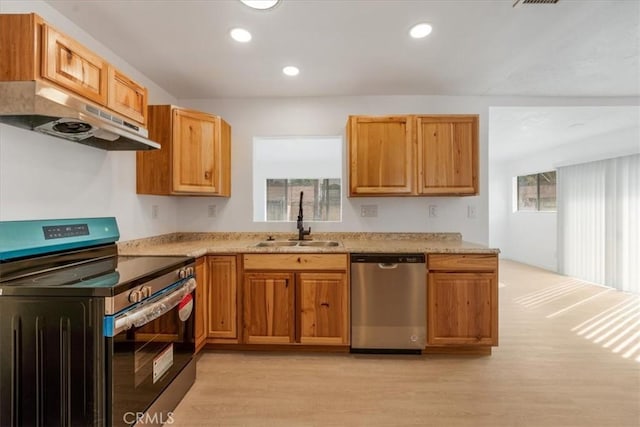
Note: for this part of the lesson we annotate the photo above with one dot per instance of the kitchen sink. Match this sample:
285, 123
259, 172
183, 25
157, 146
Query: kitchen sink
311, 243
318, 243
274, 243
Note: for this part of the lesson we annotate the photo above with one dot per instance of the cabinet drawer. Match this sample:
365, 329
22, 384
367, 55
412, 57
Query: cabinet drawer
462, 262
295, 261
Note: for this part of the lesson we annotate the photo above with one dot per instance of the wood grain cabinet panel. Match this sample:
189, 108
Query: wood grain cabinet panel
201, 303
222, 297
447, 155
269, 316
194, 158
413, 155
296, 299
462, 300
323, 311
69, 64
381, 155
127, 97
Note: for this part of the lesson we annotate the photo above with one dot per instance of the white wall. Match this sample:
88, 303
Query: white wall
328, 116
46, 177
531, 237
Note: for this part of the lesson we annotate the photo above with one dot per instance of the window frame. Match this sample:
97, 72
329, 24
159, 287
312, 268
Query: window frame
517, 191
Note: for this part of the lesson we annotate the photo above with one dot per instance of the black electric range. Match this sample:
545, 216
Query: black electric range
88, 337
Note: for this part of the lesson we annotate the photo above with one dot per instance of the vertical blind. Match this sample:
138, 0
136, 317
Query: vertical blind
599, 222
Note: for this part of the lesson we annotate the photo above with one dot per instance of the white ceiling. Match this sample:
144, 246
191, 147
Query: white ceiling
516, 132
361, 47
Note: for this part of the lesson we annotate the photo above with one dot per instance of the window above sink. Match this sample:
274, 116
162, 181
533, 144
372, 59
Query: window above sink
285, 166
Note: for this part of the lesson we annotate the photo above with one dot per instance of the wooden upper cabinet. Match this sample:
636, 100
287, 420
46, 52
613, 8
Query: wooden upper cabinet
447, 155
31, 49
381, 155
423, 155
194, 158
127, 97
69, 64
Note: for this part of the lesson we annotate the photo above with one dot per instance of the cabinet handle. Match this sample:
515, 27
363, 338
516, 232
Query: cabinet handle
207, 175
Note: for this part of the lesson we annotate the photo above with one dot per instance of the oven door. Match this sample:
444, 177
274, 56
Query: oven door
146, 348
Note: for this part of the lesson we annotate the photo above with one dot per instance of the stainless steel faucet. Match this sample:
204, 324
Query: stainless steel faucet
301, 231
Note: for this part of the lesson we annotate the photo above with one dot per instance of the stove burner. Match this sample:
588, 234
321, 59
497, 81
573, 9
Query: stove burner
72, 127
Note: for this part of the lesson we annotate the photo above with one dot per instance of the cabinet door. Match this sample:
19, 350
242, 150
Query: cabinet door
381, 155
447, 155
201, 303
195, 146
269, 308
222, 293
69, 64
462, 309
323, 306
127, 97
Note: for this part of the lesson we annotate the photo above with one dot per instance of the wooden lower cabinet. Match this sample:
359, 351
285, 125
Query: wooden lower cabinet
296, 308
322, 302
462, 300
269, 308
201, 302
222, 298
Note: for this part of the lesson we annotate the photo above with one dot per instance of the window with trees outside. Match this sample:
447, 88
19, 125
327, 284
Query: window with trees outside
283, 167
537, 192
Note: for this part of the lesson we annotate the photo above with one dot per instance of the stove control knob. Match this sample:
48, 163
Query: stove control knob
146, 291
190, 271
135, 296
182, 273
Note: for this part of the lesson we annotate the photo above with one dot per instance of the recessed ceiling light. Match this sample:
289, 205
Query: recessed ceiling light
419, 31
260, 4
290, 70
240, 35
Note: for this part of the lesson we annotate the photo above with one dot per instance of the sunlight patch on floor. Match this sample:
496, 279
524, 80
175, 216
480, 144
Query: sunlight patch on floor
617, 328
552, 293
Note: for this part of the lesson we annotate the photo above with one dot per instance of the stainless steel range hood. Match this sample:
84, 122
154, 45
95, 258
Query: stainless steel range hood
38, 106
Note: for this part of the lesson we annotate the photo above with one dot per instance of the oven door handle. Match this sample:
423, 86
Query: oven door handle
150, 311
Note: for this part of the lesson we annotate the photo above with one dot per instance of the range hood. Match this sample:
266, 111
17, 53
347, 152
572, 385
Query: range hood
38, 106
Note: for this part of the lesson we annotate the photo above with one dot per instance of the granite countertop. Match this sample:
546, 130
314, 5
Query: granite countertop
198, 244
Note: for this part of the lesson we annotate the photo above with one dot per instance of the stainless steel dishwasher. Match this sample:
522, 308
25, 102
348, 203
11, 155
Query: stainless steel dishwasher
388, 303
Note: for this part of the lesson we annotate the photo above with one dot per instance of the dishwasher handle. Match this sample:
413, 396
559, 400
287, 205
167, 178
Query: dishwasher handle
387, 265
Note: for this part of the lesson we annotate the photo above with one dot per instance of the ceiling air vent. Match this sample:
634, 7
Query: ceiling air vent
515, 3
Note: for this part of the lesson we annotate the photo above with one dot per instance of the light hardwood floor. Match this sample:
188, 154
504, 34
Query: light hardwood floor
551, 369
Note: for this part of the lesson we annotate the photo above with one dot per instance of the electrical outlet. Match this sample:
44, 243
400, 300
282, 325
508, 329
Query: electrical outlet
433, 211
471, 211
369, 211
155, 211
211, 211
